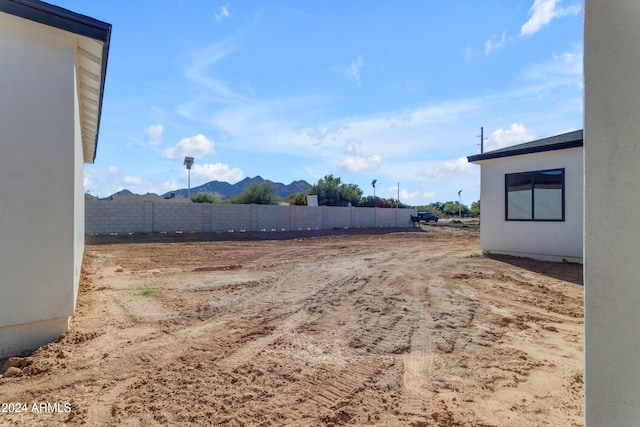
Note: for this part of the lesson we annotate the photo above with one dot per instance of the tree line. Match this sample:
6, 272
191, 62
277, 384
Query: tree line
331, 191
451, 208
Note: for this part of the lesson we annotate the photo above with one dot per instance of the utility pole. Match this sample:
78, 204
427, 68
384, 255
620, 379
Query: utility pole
481, 139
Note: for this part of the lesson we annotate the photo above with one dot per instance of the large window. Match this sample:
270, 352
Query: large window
535, 196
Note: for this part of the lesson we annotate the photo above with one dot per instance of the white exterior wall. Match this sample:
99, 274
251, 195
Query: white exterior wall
40, 184
78, 193
544, 240
612, 204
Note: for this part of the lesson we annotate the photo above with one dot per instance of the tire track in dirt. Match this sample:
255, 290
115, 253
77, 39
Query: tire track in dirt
307, 307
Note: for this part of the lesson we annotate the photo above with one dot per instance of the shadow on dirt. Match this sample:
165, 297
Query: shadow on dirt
568, 272
248, 236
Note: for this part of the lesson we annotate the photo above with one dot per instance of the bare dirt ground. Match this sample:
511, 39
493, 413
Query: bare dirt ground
407, 328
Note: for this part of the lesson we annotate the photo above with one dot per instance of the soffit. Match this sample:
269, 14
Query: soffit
90, 82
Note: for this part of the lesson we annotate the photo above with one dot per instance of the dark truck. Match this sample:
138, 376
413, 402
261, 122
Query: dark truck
424, 216
427, 216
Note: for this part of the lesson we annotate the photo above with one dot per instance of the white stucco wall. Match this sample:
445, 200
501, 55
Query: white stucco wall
612, 204
39, 184
78, 193
542, 240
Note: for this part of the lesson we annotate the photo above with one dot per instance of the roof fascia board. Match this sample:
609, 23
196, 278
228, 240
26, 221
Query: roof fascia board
527, 150
57, 17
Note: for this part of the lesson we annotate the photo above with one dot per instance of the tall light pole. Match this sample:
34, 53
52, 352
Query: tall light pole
460, 204
188, 161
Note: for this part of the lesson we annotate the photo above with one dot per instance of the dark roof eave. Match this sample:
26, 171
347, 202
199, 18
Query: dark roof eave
57, 17
527, 150
63, 19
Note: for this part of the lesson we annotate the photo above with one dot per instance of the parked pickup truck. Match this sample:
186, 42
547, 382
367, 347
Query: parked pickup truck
427, 216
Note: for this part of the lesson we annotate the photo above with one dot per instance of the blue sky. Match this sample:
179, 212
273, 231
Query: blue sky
288, 90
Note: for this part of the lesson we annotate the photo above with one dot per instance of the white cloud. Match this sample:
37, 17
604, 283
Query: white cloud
404, 195
133, 180
322, 132
137, 185
501, 138
429, 195
154, 134
392, 193
450, 168
224, 13
496, 43
218, 172
169, 185
354, 69
389, 135
360, 164
354, 161
197, 64
353, 148
195, 146
95, 177
543, 12
559, 67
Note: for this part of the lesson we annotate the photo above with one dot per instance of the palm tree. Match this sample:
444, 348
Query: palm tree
373, 184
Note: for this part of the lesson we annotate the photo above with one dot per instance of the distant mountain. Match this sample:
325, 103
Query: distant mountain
225, 190
129, 193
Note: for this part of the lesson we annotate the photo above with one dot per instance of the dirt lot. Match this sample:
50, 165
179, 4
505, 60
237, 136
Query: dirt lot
407, 328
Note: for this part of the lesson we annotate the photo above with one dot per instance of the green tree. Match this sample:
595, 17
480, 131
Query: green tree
205, 197
331, 191
350, 193
453, 208
263, 193
299, 199
435, 207
379, 202
475, 208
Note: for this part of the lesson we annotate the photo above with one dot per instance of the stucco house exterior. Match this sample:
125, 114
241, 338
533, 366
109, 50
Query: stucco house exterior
612, 203
532, 199
52, 73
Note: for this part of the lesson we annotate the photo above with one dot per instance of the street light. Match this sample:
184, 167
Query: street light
460, 204
188, 161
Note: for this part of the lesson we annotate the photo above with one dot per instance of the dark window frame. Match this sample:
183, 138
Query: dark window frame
533, 207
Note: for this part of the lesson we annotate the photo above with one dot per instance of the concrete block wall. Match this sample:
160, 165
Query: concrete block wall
171, 217
366, 217
271, 218
229, 217
337, 217
389, 218
103, 217
115, 216
307, 217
